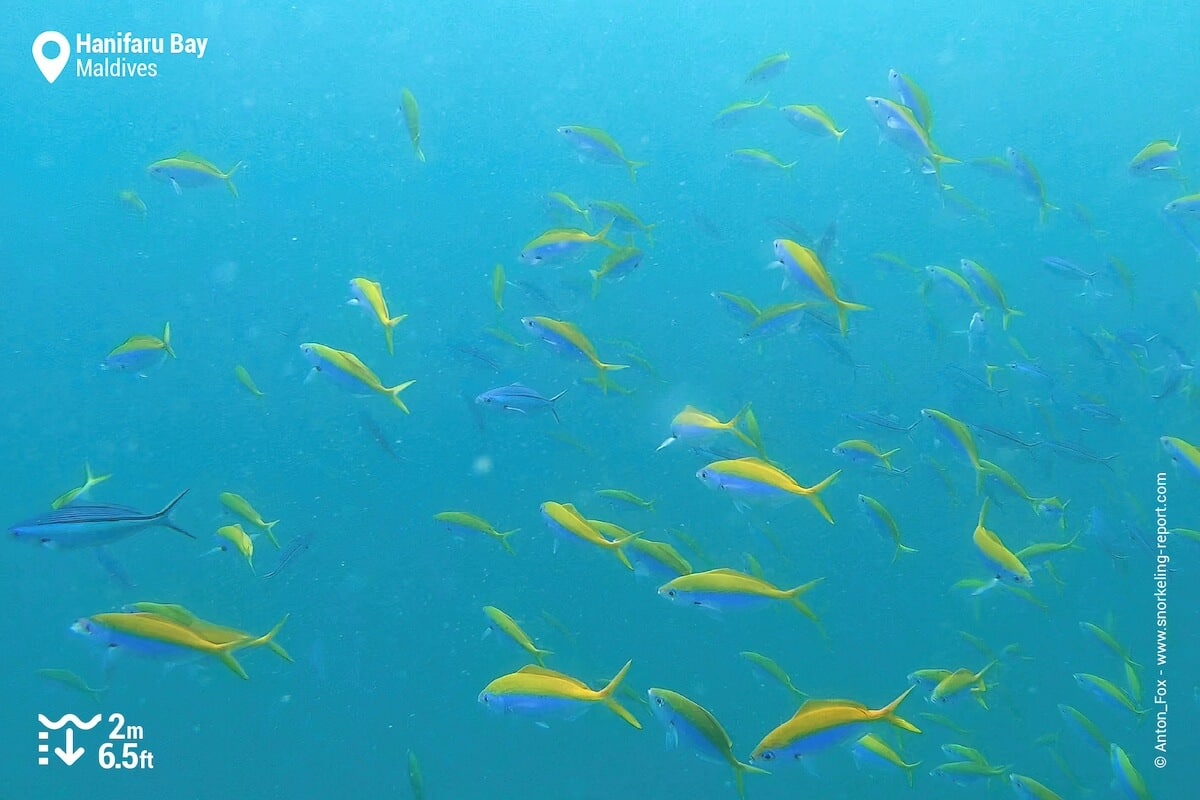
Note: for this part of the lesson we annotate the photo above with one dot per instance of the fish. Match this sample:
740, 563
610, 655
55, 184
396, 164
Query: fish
189, 171
563, 245
461, 521
690, 723
860, 451
898, 125
140, 353
239, 540
130, 198
566, 521
217, 634
153, 636
882, 519
596, 145
1027, 788
912, 97
498, 284
70, 496
569, 340
1030, 181
297, 546
241, 506
967, 773
346, 370
1160, 157
649, 558
958, 435
600, 212
415, 780
243, 377
87, 525
735, 112
1186, 206
754, 157
502, 623
695, 427
1004, 565
369, 295
987, 286
802, 266
619, 264
540, 692
68, 678
723, 589
770, 67
821, 724
961, 682
521, 399
812, 120
767, 666
1108, 693
626, 497
1125, 775
1185, 456
412, 121
751, 478
870, 749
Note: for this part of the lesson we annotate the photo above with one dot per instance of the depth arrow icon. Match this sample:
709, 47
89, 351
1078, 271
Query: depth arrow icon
71, 754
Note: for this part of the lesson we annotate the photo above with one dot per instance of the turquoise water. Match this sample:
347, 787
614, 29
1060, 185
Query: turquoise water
385, 623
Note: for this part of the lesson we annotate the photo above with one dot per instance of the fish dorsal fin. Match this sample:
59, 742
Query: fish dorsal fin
187, 155
733, 573
534, 669
813, 706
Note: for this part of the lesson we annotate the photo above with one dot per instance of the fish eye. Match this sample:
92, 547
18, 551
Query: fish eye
671, 593
768, 756
658, 701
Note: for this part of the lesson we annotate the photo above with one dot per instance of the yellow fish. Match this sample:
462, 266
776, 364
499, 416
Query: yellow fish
821, 724
241, 506
412, 120
722, 589
68, 497
240, 540
346, 370
244, 379
803, 267
540, 692
369, 295
747, 479
503, 623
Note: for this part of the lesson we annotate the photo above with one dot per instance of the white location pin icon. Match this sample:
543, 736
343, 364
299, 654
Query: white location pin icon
51, 67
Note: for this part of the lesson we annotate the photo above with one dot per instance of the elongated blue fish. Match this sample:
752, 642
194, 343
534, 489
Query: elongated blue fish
76, 526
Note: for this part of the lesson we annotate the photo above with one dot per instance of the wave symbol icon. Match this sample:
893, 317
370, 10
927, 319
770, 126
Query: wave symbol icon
69, 719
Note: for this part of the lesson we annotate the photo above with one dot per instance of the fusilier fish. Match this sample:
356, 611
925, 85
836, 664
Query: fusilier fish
412, 121
369, 296
188, 171
540, 692
346, 370
596, 145
140, 353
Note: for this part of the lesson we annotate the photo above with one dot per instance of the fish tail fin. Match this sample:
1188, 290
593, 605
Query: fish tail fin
606, 697
604, 370
277, 649
265, 639
420, 153
226, 658
649, 236
633, 167
164, 517
740, 770
268, 528
395, 391
602, 236
888, 713
844, 306
902, 548
391, 323
839, 134
618, 547
795, 594
91, 480
228, 178
166, 340
813, 494
504, 541
1008, 314
1044, 211
539, 655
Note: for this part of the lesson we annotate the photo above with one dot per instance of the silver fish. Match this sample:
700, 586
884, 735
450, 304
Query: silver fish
519, 398
76, 526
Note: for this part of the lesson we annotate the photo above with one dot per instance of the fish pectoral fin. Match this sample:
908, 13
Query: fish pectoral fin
175, 185
672, 737
514, 408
